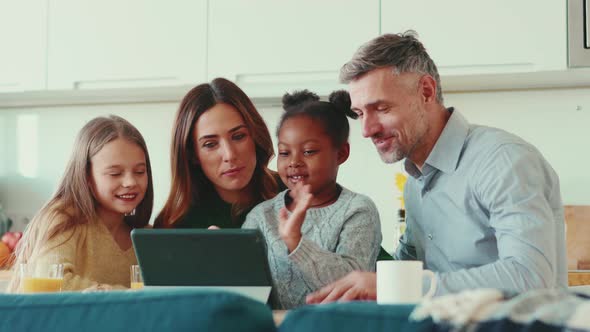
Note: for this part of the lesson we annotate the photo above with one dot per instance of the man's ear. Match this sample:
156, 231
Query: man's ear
427, 88
343, 153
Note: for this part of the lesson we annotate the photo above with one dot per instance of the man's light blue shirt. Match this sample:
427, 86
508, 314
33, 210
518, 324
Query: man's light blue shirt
485, 212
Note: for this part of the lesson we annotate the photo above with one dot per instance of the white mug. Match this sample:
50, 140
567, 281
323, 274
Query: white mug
400, 282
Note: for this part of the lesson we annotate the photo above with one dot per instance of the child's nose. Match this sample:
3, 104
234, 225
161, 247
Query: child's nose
295, 161
129, 181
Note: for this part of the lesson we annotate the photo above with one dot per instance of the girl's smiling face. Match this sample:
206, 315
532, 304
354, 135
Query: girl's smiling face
118, 176
307, 155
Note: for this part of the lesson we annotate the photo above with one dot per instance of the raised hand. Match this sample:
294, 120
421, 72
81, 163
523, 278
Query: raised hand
290, 225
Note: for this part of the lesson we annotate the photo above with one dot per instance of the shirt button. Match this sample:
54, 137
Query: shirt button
430, 236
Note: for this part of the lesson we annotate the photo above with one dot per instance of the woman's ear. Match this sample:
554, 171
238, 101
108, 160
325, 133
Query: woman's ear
343, 153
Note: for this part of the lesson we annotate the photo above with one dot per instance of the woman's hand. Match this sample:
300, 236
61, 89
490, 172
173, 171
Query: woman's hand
290, 225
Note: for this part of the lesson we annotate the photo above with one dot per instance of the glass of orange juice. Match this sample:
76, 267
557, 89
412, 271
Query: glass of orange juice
41, 280
136, 277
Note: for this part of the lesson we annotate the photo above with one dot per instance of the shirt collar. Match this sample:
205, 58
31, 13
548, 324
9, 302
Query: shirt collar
447, 149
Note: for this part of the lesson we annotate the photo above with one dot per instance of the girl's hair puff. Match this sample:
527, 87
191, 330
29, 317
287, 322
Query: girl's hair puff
332, 114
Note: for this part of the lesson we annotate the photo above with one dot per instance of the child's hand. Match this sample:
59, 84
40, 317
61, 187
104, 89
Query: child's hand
290, 225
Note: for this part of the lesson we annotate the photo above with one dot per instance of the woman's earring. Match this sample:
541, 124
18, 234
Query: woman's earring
130, 214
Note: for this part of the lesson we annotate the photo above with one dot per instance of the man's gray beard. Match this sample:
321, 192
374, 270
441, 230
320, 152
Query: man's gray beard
391, 157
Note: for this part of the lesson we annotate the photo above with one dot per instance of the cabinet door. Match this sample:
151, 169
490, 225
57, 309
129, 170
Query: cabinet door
289, 41
23, 40
130, 43
477, 36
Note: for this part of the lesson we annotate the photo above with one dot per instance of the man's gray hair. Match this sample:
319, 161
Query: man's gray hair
403, 52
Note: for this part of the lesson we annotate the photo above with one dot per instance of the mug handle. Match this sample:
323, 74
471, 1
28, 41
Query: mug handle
432, 288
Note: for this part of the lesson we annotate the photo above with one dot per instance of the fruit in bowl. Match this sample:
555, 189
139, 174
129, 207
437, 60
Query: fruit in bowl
7, 245
11, 239
5, 255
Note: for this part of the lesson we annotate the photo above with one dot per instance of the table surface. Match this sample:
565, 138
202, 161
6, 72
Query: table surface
578, 278
5, 276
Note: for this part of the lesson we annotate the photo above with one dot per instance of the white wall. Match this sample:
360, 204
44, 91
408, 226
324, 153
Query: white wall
57, 128
549, 119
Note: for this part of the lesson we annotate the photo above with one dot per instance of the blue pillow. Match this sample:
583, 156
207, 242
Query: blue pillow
352, 316
162, 310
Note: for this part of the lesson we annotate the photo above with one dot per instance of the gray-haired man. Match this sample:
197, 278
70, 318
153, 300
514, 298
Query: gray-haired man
483, 206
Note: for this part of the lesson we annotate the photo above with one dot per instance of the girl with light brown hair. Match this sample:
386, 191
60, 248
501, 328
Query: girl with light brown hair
105, 192
221, 148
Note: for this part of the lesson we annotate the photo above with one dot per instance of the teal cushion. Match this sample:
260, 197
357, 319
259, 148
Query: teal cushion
352, 316
178, 310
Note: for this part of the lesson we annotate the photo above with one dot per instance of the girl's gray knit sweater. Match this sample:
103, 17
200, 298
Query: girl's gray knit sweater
336, 239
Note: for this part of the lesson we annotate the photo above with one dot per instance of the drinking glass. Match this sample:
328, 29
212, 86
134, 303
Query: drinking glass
136, 277
37, 279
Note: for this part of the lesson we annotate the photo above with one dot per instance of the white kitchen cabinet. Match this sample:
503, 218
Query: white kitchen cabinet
466, 37
287, 43
23, 42
111, 44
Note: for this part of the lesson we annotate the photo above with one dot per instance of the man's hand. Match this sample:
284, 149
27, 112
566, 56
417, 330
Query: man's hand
290, 225
357, 285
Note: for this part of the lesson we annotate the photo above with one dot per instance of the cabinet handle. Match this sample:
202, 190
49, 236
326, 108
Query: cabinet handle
587, 25
276, 84
11, 87
278, 78
487, 68
141, 82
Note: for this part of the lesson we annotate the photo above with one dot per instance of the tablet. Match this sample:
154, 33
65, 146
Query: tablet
228, 259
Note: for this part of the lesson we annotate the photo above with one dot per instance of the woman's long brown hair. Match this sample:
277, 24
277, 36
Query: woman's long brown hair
189, 183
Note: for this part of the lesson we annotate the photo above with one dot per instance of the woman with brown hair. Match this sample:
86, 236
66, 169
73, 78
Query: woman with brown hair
221, 148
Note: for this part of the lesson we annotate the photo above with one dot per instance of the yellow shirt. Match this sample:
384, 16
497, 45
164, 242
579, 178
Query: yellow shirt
90, 257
